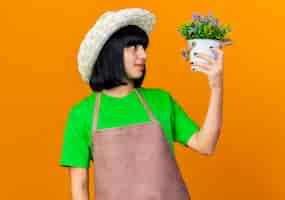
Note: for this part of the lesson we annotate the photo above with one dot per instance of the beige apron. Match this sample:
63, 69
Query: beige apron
135, 162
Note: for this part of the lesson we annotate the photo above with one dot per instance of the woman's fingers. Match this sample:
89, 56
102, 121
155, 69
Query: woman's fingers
203, 66
206, 57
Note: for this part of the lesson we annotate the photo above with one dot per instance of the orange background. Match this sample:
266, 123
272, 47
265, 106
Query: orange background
40, 82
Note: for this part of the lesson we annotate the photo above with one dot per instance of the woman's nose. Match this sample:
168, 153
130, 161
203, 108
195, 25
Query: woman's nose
142, 53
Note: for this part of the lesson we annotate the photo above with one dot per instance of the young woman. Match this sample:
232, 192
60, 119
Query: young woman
125, 129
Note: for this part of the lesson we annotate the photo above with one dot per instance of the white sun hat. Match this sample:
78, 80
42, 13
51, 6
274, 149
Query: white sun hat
108, 23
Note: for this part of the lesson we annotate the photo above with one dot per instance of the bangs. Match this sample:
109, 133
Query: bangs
134, 35
136, 40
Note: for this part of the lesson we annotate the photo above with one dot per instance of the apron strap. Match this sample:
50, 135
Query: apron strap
96, 111
97, 108
145, 105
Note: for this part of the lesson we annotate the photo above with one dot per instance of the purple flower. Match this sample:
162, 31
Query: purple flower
195, 16
215, 22
201, 19
209, 17
209, 14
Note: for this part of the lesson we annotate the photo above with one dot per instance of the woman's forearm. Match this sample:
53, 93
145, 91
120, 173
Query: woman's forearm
79, 183
80, 193
210, 130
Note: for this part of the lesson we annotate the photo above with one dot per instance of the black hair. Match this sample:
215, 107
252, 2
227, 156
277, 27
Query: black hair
108, 71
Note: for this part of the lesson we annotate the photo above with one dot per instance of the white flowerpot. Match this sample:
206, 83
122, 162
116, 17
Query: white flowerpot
202, 45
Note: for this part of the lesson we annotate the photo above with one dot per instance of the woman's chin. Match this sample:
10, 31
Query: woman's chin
137, 75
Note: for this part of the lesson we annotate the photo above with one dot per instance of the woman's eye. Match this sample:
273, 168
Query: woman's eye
135, 46
138, 45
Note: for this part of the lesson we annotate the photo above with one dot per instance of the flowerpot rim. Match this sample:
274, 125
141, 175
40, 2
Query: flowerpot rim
205, 39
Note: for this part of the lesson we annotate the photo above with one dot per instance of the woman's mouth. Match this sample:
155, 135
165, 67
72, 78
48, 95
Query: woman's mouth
140, 66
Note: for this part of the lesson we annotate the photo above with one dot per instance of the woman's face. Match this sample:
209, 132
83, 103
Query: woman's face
134, 58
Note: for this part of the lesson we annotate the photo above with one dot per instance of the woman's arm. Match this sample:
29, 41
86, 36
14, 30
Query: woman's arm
79, 179
206, 139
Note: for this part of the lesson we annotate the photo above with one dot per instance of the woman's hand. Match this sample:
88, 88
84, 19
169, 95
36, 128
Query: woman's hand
214, 67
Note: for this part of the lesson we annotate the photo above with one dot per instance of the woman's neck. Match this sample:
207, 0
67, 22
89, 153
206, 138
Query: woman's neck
119, 91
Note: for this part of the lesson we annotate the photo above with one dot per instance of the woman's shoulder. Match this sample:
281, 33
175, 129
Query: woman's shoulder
83, 104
